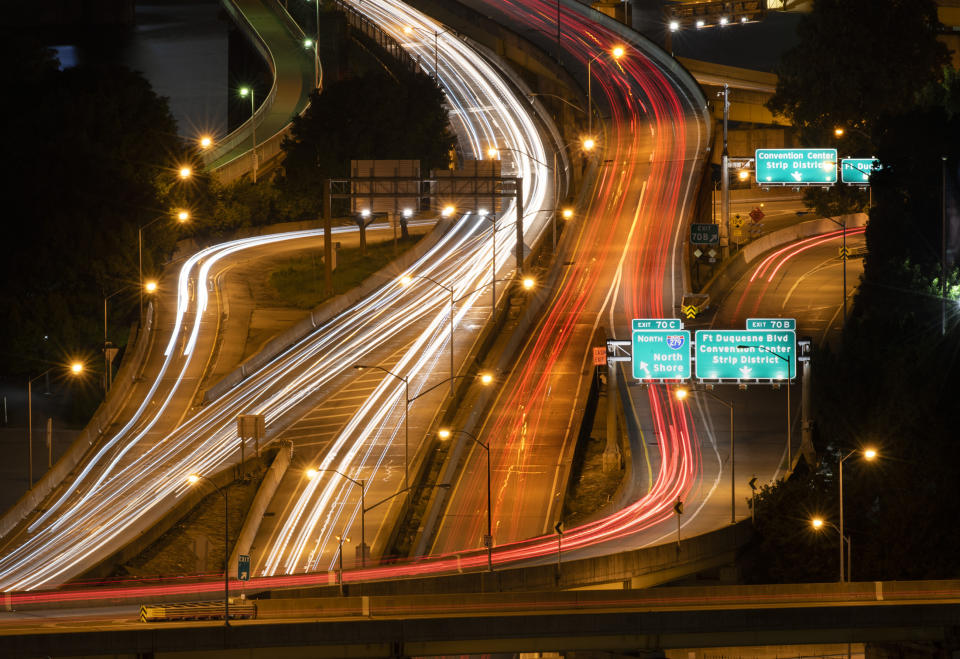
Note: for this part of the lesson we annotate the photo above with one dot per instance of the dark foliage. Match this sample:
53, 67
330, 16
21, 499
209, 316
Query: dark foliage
91, 153
374, 116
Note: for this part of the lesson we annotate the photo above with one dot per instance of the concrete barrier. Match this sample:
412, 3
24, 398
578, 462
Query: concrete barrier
268, 486
734, 268
113, 403
326, 311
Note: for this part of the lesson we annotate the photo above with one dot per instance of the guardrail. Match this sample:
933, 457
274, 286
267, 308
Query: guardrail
373, 31
239, 609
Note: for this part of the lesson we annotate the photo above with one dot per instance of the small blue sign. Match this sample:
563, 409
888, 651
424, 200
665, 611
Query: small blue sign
243, 567
639, 324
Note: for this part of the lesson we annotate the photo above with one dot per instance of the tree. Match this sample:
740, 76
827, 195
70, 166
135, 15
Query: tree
374, 116
95, 151
856, 62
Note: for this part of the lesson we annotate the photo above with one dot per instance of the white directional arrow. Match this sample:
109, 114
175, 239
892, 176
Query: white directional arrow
797, 176
745, 372
644, 368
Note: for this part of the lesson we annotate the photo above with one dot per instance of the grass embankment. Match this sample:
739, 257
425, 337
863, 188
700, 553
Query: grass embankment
299, 281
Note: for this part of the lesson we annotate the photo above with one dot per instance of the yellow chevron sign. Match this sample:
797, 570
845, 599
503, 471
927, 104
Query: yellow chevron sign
690, 310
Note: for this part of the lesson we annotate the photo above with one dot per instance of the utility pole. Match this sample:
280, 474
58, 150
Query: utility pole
327, 238
725, 171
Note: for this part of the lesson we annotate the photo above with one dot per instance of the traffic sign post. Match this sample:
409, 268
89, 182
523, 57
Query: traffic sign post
857, 171
751, 355
796, 166
661, 355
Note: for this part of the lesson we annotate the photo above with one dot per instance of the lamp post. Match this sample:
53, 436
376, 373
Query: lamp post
488, 539
107, 370
340, 540
244, 92
818, 523
681, 393
869, 455
194, 479
182, 216
789, 378
406, 280
616, 53
76, 368
407, 29
316, 46
312, 473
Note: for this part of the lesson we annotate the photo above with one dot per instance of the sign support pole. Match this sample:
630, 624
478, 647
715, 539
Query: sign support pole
327, 238
725, 170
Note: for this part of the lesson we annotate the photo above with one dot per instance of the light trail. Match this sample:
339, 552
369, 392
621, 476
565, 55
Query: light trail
129, 483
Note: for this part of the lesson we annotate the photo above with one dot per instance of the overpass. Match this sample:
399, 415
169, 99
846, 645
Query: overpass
630, 621
279, 40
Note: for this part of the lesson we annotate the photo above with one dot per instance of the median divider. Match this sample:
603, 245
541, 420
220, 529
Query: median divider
325, 312
268, 487
734, 268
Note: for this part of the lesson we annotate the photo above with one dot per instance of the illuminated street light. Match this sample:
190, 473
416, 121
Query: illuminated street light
448, 210
869, 454
193, 479
743, 174
185, 172
486, 378
818, 523
567, 213
674, 26
529, 283
312, 473
839, 131
588, 144
74, 369
700, 23
681, 393
617, 52
183, 216
723, 21
444, 433
150, 286
206, 142
244, 92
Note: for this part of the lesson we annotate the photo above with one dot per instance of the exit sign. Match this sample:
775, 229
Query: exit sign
796, 166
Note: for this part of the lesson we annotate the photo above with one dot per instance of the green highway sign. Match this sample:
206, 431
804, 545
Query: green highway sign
243, 567
767, 355
771, 324
704, 234
656, 324
661, 354
796, 166
858, 170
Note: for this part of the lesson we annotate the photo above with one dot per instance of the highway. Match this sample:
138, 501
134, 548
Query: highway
626, 263
141, 470
802, 280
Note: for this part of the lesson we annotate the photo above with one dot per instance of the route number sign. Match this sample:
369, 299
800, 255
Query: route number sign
704, 234
767, 355
796, 166
661, 354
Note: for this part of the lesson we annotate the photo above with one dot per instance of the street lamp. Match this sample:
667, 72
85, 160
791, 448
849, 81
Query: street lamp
205, 142
313, 473
150, 287
340, 540
408, 30
869, 454
75, 369
444, 433
681, 393
185, 172
617, 52
528, 284
789, 378
244, 92
485, 378
316, 44
193, 480
818, 523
